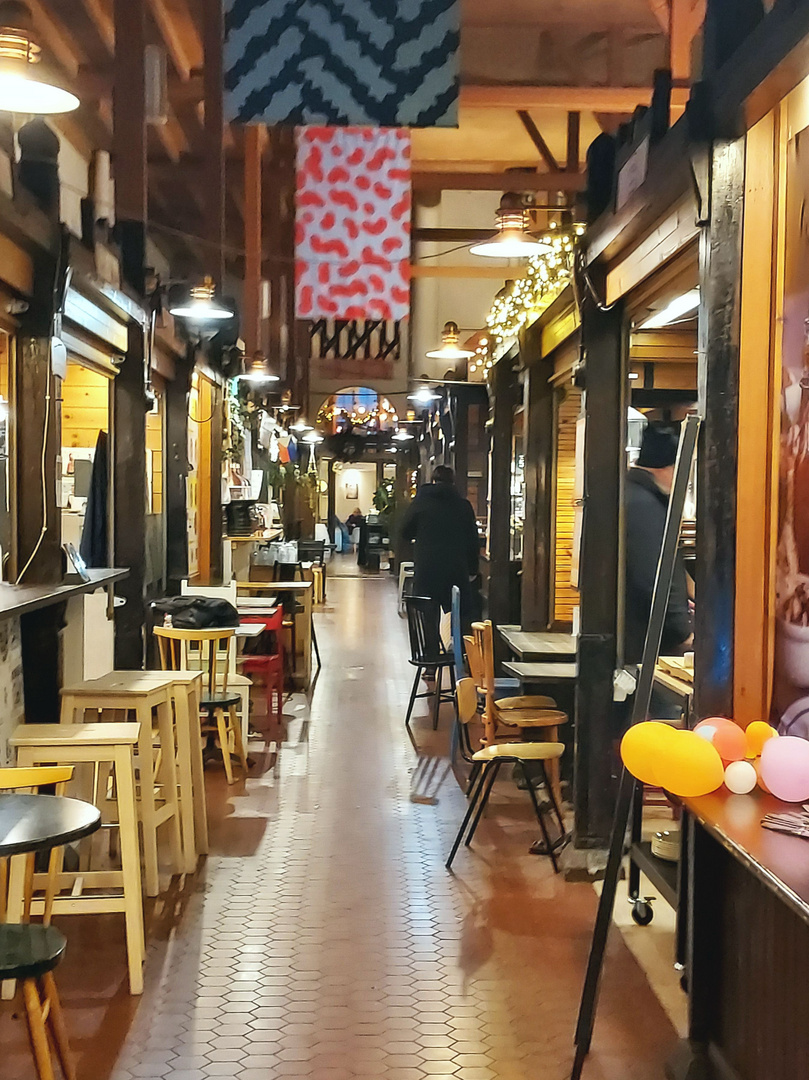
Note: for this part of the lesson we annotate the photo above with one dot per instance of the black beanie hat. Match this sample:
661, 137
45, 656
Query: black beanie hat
658, 447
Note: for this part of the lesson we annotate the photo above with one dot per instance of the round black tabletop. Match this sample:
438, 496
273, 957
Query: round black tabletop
41, 822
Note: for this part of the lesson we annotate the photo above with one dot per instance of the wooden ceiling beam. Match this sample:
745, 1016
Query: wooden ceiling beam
535, 135
615, 99
484, 270
174, 37
573, 157
502, 181
57, 39
102, 19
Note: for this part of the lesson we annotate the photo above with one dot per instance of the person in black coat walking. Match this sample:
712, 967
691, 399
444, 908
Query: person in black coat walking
446, 546
648, 486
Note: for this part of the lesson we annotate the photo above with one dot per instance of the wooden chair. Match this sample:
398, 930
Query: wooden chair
30, 953
527, 712
99, 746
427, 651
217, 702
491, 758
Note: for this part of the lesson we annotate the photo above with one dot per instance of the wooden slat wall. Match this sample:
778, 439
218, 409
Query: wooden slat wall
85, 406
565, 596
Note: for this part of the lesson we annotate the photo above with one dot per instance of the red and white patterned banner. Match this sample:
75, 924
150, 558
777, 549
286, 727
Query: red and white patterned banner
352, 223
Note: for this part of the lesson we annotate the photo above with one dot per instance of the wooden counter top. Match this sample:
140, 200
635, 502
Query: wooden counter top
21, 599
779, 861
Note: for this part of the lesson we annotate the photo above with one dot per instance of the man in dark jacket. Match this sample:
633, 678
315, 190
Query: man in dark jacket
648, 486
442, 525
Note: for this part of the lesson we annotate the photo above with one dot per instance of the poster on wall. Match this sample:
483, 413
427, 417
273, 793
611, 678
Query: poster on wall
790, 704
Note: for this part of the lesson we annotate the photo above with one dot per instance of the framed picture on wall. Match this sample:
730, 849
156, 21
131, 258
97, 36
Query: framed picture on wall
352, 491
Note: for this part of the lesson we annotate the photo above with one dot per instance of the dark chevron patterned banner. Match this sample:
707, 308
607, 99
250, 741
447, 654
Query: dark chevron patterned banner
383, 63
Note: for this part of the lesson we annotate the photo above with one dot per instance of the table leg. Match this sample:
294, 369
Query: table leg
145, 765
185, 778
168, 778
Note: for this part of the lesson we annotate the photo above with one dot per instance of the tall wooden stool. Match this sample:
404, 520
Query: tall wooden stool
218, 703
96, 744
184, 689
158, 801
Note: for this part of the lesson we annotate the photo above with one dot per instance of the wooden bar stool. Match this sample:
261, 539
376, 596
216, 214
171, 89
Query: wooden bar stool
184, 689
217, 703
107, 744
156, 761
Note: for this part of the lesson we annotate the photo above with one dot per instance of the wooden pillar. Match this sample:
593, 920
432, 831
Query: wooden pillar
538, 550
504, 388
598, 722
176, 474
213, 35
718, 380
251, 302
129, 499
129, 143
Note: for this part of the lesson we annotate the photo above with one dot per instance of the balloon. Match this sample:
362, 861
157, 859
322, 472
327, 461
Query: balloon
726, 736
759, 777
690, 766
756, 735
785, 768
740, 777
642, 747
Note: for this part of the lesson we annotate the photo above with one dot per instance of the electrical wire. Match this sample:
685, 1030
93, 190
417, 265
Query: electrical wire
43, 478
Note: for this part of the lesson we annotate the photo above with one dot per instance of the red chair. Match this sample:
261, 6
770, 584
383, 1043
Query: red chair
271, 664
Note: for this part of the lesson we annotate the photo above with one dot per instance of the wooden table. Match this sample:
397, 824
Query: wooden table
537, 645
302, 592
536, 673
31, 823
747, 942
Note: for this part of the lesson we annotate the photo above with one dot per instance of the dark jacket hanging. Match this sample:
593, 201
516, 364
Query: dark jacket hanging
94, 549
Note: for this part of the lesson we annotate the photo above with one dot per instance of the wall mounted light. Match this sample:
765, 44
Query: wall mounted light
424, 396
26, 85
401, 436
512, 239
450, 338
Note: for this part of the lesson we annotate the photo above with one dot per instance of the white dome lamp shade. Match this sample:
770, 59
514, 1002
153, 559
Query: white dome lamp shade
512, 239
27, 87
450, 350
202, 304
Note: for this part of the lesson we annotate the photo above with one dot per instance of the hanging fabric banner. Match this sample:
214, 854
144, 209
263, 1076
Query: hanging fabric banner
352, 223
342, 62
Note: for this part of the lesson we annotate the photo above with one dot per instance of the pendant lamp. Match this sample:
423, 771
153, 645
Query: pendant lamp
449, 345
512, 239
259, 370
202, 304
26, 85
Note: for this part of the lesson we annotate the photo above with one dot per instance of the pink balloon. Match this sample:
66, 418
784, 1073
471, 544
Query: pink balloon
785, 768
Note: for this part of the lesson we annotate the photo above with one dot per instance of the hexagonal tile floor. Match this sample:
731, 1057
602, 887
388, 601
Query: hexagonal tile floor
323, 937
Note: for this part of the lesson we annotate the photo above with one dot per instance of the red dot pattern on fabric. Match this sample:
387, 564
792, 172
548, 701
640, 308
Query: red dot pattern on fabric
352, 231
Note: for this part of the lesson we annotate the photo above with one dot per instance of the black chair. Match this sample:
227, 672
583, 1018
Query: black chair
314, 552
427, 651
291, 606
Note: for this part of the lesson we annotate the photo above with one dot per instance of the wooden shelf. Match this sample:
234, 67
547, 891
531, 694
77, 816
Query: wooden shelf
18, 600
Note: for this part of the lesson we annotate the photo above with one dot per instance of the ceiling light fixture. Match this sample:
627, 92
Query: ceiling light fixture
450, 336
512, 239
300, 425
312, 437
679, 306
202, 304
401, 436
259, 370
26, 85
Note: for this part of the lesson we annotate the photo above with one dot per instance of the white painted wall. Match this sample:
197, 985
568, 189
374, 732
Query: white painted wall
363, 474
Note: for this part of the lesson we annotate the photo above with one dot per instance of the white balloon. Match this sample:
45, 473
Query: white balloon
740, 777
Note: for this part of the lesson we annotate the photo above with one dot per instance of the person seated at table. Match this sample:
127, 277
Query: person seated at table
355, 519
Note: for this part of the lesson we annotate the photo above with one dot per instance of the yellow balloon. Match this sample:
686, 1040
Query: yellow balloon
642, 748
757, 734
690, 766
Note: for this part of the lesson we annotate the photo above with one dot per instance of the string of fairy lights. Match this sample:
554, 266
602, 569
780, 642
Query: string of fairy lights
522, 301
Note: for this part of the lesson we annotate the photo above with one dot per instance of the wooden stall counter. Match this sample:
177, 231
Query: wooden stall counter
748, 943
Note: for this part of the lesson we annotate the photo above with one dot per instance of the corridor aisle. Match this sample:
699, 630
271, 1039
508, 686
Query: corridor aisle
324, 938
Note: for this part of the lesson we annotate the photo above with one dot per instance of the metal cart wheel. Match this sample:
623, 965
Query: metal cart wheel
642, 912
